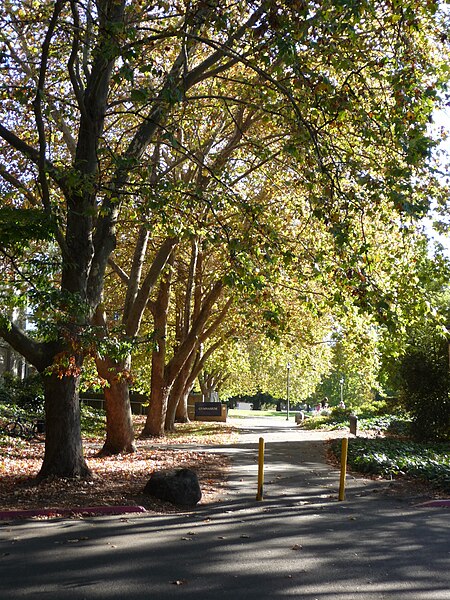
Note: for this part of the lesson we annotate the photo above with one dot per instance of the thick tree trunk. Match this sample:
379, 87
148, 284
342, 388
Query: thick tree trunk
175, 409
63, 455
181, 414
63, 447
119, 423
159, 395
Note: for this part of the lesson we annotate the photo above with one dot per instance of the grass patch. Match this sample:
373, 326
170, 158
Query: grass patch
195, 432
238, 413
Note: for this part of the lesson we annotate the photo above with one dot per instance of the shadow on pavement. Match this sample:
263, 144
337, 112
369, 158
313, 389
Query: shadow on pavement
300, 542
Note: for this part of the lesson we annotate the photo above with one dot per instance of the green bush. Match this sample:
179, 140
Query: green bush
27, 393
396, 424
5, 395
340, 414
93, 421
425, 386
338, 418
399, 426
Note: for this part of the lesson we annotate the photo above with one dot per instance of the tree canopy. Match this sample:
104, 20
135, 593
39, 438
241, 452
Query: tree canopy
276, 134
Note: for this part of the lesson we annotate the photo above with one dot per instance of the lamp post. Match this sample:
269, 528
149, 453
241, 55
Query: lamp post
288, 367
341, 381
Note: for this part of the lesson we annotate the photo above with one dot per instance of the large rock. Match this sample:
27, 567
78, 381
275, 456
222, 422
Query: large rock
178, 486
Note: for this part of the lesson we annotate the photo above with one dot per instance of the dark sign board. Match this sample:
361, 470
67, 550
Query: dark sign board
208, 409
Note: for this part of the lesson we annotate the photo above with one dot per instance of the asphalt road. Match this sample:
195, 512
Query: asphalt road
300, 542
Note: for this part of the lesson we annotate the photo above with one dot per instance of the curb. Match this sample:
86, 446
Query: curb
435, 503
90, 511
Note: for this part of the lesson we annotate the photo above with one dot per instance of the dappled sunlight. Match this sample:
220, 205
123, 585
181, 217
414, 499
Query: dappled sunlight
116, 480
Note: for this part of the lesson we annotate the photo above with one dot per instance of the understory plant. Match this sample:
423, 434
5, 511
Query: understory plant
391, 458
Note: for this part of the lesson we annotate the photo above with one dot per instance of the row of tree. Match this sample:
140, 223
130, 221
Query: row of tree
179, 176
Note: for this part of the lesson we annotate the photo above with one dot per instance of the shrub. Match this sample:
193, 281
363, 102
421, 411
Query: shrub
341, 414
26, 393
93, 421
425, 389
392, 458
5, 395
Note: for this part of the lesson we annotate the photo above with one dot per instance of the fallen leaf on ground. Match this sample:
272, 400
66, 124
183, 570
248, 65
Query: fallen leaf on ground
117, 480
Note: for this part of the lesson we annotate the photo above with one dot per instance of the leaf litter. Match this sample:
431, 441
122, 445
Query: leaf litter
116, 480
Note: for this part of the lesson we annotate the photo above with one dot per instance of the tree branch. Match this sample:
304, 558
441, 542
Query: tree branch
15, 182
140, 248
197, 74
139, 304
64, 128
37, 105
177, 361
134, 280
74, 76
38, 354
118, 271
34, 156
31, 153
219, 319
190, 285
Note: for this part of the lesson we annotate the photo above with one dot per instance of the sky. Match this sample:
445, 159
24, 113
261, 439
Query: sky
441, 119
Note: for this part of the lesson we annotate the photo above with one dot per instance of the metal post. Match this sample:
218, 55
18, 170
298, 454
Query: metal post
260, 492
344, 452
342, 389
288, 366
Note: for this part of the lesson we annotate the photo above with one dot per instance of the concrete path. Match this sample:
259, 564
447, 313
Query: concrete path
300, 542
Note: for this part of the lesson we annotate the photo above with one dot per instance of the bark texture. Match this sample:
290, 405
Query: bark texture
119, 423
159, 394
63, 448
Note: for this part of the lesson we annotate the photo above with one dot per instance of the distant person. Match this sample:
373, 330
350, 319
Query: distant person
341, 404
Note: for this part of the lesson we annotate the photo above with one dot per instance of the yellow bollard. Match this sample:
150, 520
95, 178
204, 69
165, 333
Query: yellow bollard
344, 450
260, 493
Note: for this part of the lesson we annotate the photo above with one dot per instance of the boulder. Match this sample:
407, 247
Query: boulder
178, 486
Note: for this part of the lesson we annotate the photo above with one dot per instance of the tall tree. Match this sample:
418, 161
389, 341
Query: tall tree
79, 91
349, 85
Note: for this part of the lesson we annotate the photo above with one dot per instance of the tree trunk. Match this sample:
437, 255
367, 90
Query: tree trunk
181, 414
175, 408
159, 395
63, 447
119, 423
208, 385
182, 407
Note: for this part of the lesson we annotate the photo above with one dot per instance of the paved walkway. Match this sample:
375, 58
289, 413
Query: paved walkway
300, 542
295, 466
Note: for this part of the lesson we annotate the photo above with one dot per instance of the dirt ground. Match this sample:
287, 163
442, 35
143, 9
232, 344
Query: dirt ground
116, 480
